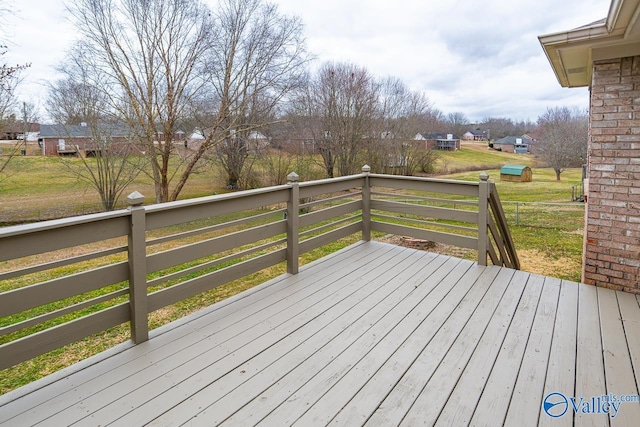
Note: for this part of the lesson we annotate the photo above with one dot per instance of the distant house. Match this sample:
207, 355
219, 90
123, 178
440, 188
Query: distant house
476, 135
512, 144
60, 139
79, 139
439, 141
255, 141
15, 131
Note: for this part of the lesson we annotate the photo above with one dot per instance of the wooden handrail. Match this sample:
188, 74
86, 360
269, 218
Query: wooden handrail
157, 268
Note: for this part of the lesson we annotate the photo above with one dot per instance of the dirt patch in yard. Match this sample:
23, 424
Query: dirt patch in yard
426, 245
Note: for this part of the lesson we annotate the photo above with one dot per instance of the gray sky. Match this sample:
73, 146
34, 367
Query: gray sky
481, 58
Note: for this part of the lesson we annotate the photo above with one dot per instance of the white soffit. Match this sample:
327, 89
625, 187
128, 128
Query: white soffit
571, 53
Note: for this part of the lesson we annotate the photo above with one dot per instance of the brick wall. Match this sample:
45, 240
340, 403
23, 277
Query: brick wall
612, 235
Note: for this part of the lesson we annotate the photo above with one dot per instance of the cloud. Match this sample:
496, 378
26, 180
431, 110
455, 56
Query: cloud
480, 58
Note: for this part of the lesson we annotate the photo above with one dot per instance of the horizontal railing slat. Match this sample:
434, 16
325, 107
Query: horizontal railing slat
173, 213
351, 220
63, 311
335, 185
331, 236
42, 342
214, 263
420, 233
426, 199
443, 186
329, 200
61, 263
215, 227
173, 257
328, 213
204, 283
428, 223
427, 211
66, 234
29, 297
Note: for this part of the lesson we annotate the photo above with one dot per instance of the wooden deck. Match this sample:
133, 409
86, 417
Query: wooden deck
375, 334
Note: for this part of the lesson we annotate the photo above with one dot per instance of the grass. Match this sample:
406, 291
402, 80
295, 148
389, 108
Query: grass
548, 237
478, 156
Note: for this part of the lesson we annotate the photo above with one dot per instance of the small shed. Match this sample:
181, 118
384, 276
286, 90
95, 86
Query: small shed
515, 173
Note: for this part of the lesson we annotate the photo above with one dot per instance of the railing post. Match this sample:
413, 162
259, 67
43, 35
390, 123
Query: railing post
366, 204
138, 269
293, 223
483, 212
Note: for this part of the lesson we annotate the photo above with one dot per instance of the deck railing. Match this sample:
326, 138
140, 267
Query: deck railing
67, 279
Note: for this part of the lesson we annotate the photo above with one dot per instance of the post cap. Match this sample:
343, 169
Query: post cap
293, 177
484, 176
366, 169
135, 199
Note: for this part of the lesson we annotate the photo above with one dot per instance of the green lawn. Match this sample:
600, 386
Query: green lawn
478, 156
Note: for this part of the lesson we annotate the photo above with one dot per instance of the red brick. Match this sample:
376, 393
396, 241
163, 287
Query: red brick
618, 116
611, 273
603, 110
598, 278
631, 290
606, 65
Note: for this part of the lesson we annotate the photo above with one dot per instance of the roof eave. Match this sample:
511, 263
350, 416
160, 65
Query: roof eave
581, 41
571, 53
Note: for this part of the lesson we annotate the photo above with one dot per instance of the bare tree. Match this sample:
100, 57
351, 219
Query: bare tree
403, 113
563, 138
143, 55
456, 122
109, 159
256, 59
7, 118
343, 99
500, 127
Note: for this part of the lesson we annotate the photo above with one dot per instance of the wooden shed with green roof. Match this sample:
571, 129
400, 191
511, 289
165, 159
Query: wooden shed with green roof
515, 173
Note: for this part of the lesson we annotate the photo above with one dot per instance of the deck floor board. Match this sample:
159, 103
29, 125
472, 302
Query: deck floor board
374, 335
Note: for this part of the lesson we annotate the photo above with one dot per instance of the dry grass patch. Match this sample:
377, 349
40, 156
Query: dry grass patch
539, 262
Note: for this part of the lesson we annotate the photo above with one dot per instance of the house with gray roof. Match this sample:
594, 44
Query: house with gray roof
59, 139
439, 140
512, 144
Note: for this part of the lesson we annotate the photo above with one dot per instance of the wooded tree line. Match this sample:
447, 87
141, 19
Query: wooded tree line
159, 68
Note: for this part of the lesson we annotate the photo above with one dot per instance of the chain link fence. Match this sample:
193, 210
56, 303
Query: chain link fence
561, 216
